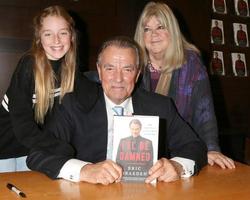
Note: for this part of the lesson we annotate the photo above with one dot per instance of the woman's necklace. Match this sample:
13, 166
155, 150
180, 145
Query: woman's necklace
153, 68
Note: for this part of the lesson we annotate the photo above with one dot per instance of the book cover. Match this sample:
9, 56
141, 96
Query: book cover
135, 145
240, 35
217, 63
219, 6
239, 64
241, 8
217, 32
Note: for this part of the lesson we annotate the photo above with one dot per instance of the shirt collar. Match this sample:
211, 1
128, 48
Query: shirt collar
127, 104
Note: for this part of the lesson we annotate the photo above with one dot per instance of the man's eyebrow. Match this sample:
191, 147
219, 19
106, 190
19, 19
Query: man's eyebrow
129, 65
125, 66
108, 65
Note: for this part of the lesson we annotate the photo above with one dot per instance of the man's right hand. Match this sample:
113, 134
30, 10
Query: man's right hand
105, 172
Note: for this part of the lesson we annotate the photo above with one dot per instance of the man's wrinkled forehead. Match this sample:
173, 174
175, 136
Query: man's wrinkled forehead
118, 55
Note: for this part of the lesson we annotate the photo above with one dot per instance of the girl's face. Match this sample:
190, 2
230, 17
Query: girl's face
55, 37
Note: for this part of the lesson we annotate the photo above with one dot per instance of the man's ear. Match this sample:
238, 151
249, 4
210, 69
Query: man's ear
99, 71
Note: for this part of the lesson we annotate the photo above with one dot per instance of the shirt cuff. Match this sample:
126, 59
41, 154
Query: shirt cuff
71, 170
187, 165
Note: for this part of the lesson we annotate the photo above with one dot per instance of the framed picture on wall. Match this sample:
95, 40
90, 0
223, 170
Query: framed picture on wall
217, 63
219, 6
240, 35
217, 32
241, 8
239, 64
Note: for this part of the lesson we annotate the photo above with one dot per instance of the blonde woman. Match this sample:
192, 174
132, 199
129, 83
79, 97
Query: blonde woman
42, 78
173, 68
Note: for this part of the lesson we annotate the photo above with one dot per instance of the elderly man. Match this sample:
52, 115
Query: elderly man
87, 126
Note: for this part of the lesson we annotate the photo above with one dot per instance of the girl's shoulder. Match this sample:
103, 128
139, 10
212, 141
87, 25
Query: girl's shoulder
23, 73
25, 65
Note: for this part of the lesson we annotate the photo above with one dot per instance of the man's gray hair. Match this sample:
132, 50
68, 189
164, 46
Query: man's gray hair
121, 42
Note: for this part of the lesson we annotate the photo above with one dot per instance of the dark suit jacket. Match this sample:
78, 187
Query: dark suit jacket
84, 126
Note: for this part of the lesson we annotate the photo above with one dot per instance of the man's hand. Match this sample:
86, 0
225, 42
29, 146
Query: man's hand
105, 172
164, 170
218, 158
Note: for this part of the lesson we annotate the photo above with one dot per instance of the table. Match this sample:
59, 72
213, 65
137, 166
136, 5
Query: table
212, 183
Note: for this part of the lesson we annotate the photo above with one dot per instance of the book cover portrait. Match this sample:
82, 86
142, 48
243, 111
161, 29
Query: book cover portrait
240, 34
239, 64
219, 6
217, 32
217, 63
241, 8
135, 145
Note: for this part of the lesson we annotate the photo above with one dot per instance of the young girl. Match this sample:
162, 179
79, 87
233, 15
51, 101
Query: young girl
42, 77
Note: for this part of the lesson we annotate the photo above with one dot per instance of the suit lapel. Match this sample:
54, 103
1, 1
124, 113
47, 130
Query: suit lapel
97, 126
104, 122
137, 104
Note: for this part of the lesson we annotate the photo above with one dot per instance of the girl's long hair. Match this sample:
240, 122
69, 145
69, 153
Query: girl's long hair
43, 73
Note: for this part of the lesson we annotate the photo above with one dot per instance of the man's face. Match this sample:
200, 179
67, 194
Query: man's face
118, 72
135, 129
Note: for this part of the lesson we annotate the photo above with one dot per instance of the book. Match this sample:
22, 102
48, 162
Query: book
241, 8
219, 6
239, 64
240, 34
217, 32
135, 145
217, 63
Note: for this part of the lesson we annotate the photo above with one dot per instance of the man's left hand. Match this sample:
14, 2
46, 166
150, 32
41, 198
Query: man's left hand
164, 170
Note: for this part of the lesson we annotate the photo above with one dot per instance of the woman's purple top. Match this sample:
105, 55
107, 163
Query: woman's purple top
190, 90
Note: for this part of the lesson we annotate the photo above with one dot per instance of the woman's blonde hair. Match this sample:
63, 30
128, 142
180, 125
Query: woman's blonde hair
175, 53
43, 73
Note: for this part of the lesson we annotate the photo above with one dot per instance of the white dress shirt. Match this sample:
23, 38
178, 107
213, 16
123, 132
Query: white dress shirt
72, 168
